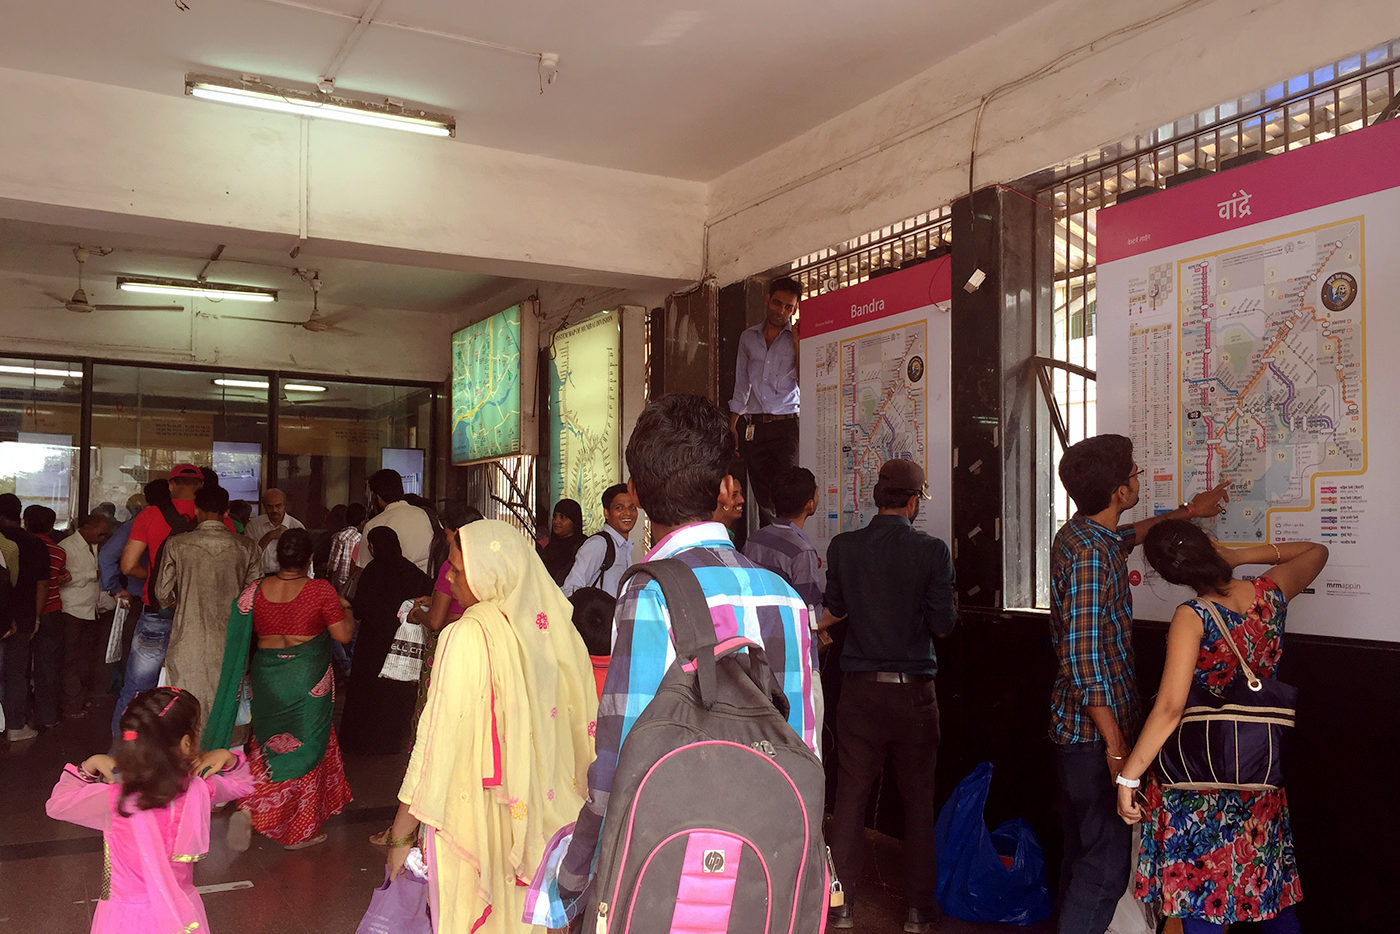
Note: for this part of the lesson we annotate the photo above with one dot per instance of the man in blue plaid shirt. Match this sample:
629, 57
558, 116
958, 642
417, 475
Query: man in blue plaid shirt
1094, 706
678, 457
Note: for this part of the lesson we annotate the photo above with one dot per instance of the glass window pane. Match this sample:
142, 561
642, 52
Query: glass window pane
40, 426
146, 420
330, 439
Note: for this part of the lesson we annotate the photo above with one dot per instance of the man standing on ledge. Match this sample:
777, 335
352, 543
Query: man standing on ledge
763, 412
896, 585
1094, 714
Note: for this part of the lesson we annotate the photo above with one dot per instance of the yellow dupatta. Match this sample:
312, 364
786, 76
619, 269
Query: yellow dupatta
502, 752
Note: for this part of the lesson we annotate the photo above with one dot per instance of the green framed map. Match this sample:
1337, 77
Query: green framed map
486, 380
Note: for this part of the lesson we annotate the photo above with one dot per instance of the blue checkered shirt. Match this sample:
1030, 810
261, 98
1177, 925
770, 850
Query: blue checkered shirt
1091, 628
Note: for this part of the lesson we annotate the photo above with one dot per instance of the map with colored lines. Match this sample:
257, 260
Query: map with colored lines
884, 411
1272, 373
584, 382
486, 388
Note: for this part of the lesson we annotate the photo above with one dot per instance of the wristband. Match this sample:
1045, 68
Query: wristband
1127, 782
1186, 504
407, 840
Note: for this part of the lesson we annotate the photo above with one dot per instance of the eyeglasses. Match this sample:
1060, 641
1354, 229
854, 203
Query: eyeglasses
1136, 473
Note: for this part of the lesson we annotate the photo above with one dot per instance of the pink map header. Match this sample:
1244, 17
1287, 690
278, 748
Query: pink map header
917, 287
1358, 163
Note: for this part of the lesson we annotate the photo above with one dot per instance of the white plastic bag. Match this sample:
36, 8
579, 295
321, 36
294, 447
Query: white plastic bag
114, 638
405, 658
1132, 916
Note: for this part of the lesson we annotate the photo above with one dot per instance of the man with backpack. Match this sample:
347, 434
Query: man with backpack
678, 457
150, 530
608, 552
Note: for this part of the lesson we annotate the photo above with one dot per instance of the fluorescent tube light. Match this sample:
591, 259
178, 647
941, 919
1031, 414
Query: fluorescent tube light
262, 384
40, 371
308, 103
195, 288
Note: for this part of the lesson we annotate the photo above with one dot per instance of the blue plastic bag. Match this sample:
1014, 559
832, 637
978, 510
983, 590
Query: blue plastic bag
974, 883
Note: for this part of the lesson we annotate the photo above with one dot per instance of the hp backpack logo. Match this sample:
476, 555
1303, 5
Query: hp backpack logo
714, 861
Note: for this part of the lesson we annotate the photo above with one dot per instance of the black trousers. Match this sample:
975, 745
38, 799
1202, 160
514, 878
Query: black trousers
772, 450
876, 720
1098, 845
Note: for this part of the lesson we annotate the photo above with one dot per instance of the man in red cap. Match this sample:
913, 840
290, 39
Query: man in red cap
149, 531
895, 585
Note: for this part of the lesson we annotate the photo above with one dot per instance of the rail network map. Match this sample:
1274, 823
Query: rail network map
1273, 372
584, 380
486, 388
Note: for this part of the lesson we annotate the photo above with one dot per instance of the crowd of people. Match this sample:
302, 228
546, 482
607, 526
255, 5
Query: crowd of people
540, 656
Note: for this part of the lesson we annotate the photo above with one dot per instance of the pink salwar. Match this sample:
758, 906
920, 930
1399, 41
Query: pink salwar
150, 854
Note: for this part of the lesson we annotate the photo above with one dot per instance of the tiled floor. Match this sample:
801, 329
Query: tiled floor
50, 871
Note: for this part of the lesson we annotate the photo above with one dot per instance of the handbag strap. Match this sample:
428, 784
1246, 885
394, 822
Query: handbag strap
1249, 676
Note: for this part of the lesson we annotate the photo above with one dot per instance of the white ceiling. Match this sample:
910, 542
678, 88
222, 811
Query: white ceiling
40, 253
681, 89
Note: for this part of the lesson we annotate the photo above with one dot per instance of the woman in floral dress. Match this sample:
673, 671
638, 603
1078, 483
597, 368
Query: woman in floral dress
1215, 857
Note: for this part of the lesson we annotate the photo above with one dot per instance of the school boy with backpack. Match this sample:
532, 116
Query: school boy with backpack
150, 530
606, 553
678, 457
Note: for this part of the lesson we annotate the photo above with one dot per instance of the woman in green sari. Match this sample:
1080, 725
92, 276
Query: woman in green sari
298, 775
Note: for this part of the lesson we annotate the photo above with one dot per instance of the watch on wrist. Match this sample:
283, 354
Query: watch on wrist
1127, 782
1186, 504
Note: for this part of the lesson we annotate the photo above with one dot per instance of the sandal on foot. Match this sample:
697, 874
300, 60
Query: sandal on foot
319, 838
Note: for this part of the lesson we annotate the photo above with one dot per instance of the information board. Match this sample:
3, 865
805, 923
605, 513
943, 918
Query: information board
492, 361
875, 386
1245, 323
584, 387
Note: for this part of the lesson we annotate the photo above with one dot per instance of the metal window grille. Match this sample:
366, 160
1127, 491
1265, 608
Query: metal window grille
887, 248
505, 489
1327, 101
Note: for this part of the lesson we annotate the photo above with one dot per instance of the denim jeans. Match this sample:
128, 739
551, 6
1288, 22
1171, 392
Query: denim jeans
1098, 845
148, 645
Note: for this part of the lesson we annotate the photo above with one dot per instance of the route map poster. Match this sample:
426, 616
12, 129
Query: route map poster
488, 371
874, 379
584, 419
1246, 323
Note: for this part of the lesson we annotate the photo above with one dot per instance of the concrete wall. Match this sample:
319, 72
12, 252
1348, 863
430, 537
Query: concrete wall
906, 151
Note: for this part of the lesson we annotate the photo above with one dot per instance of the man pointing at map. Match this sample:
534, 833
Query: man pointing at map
763, 412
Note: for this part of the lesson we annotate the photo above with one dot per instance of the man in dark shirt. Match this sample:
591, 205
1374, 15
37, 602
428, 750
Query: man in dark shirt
30, 593
895, 584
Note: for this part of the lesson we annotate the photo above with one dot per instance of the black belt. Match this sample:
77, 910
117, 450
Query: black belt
765, 417
890, 677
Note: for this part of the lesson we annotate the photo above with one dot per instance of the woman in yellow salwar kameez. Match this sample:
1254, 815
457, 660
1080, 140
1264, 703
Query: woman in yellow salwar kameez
503, 748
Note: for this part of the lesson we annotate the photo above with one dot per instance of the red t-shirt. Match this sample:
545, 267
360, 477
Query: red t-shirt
151, 528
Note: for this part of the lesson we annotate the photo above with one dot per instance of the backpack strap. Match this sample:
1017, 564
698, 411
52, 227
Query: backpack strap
691, 625
609, 557
178, 523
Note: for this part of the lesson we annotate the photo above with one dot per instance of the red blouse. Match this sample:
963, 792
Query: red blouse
307, 614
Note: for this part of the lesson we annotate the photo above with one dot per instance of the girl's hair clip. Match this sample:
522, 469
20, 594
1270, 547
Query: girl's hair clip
128, 735
176, 692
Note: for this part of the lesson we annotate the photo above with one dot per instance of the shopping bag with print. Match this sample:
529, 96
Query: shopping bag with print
405, 658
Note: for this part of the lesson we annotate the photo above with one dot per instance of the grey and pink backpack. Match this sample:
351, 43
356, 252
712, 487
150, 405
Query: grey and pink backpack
714, 821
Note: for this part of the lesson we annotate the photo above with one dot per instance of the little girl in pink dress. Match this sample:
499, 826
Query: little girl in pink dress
152, 801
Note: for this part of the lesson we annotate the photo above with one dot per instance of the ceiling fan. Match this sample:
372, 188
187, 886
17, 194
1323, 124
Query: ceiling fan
79, 302
316, 324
